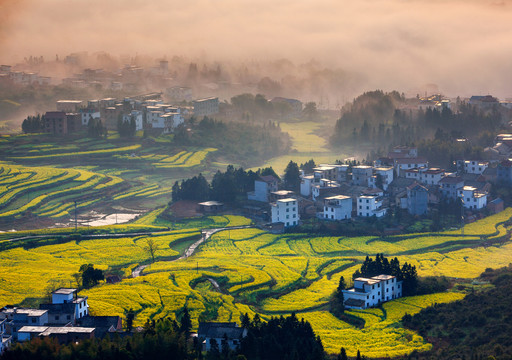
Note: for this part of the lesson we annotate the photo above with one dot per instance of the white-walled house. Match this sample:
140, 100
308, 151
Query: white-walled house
408, 163
368, 292
451, 185
323, 186
385, 173
87, 114
263, 187
337, 207
137, 117
221, 334
475, 166
68, 296
473, 199
370, 205
5, 340
285, 211
306, 183
361, 174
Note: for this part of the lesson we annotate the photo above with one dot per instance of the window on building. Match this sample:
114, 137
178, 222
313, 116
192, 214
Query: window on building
56, 317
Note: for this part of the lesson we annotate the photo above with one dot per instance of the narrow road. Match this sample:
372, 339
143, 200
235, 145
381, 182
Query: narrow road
206, 235
215, 285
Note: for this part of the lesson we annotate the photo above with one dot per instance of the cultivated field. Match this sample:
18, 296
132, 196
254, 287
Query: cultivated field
257, 272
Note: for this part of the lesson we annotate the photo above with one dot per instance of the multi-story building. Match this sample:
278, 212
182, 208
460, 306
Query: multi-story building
472, 198
385, 174
306, 183
417, 199
206, 107
15, 318
69, 105
263, 187
372, 291
285, 211
337, 207
87, 114
370, 205
427, 176
322, 187
504, 171
403, 164
61, 123
450, 186
5, 340
361, 174
137, 116
475, 166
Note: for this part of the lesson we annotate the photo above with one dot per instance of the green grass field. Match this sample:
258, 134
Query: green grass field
257, 273
306, 145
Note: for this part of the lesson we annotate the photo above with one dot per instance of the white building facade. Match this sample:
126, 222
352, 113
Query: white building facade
370, 205
337, 207
368, 292
285, 211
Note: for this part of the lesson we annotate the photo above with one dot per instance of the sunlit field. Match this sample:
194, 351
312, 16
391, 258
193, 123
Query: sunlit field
256, 272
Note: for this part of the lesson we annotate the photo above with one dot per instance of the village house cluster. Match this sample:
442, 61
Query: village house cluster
401, 179
148, 112
66, 319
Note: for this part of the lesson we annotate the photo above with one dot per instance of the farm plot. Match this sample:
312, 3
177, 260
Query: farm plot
50, 191
260, 273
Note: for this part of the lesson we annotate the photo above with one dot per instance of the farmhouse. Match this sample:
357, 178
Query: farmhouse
222, 334
337, 207
371, 292
285, 211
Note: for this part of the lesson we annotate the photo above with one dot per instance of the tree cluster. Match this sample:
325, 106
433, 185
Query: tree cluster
280, 338
33, 124
381, 265
225, 186
90, 276
96, 129
234, 140
126, 128
378, 118
476, 327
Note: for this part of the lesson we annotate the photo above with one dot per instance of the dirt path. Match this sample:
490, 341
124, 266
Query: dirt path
206, 235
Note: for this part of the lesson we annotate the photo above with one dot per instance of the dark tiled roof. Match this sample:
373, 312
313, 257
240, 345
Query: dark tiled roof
354, 302
218, 330
66, 308
268, 178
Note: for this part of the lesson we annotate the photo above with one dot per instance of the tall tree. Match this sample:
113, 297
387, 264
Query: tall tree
292, 176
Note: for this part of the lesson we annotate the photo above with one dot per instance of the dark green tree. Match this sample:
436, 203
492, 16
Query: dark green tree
292, 177
90, 275
130, 316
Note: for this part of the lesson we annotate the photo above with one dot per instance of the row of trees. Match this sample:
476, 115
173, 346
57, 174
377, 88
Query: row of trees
381, 265
377, 118
237, 141
33, 124
225, 186
279, 338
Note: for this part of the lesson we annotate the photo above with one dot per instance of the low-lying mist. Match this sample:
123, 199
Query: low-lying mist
464, 47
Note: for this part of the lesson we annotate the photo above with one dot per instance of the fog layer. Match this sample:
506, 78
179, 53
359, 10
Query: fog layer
463, 46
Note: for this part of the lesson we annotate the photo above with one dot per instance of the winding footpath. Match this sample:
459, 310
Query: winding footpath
206, 234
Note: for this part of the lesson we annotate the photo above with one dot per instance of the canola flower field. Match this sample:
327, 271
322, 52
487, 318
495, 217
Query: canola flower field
50, 192
258, 272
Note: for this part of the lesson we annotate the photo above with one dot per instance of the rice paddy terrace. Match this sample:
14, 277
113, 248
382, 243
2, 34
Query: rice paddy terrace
40, 179
255, 272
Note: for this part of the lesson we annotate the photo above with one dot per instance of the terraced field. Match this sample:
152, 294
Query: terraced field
261, 273
51, 192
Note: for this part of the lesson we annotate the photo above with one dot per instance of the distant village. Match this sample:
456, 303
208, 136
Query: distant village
402, 179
